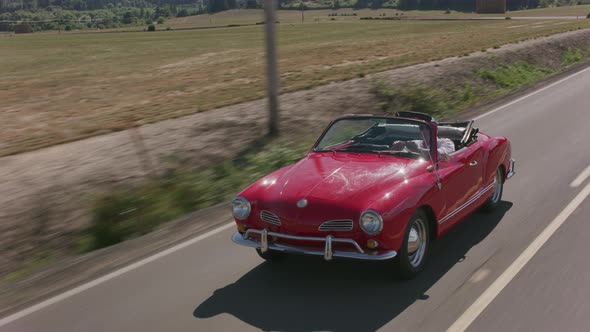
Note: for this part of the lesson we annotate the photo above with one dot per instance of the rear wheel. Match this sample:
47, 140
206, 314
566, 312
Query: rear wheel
494, 200
270, 255
412, 255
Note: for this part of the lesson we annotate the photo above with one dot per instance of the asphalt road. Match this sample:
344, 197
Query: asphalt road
214, 285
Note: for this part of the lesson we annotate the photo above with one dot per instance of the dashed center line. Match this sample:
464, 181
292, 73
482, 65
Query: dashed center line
581, 178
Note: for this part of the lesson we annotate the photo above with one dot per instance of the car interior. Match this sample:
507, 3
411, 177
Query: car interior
382, 135
461, 133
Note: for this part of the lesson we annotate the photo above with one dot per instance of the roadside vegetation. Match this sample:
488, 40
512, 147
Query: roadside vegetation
483, 85
425, 99
132, 211
507, 77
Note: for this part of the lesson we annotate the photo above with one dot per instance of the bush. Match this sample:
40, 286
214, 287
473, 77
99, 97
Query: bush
23, 28
448, 11
151, 27
160, 20
68, 28
514, 76
588, 16
183, 13
572, 56
508, 18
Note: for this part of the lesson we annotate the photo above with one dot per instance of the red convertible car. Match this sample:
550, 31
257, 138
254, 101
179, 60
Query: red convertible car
375, 188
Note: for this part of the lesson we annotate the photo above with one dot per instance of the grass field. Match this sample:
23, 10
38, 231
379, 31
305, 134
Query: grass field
252, 16
57, 88
581, 11
312, 16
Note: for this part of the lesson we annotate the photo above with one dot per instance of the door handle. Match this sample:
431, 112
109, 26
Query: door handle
473, 163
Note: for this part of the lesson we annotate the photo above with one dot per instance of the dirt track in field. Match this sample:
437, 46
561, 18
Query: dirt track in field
47, 193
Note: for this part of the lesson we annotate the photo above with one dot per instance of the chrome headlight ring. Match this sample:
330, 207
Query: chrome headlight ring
241, 208
371, 222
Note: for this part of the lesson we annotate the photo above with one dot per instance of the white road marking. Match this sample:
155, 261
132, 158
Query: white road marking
112, 275
531, 94
499, 284
581, 178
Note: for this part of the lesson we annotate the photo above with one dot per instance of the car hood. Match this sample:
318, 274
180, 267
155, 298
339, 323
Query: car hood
339, 177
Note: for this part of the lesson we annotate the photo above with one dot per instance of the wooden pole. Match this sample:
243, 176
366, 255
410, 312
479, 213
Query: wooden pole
271, 65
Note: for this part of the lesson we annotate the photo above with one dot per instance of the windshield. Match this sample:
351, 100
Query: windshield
377, 135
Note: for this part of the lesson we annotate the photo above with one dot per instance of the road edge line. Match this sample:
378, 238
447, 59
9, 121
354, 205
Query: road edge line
530, 94
79, 289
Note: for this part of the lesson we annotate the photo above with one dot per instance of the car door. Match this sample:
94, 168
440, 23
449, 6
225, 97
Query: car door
461, 181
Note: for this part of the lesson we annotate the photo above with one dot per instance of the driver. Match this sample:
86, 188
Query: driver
445, 147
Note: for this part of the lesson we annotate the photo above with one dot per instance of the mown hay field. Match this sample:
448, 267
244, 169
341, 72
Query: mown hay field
62, 87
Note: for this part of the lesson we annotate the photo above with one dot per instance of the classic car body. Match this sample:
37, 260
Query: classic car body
338, 202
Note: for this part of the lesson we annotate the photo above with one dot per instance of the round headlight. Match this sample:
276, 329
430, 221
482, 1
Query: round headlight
371, 222
241, 208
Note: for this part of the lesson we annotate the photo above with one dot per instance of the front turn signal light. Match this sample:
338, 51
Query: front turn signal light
372, 244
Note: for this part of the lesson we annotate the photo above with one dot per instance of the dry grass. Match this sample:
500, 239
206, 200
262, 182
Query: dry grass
58, 88
581, 11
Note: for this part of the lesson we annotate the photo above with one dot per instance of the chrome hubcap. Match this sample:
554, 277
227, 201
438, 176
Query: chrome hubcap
417, 239
497, 187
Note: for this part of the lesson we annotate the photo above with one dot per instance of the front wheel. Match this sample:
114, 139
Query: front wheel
270, 255
494, 200
412, 255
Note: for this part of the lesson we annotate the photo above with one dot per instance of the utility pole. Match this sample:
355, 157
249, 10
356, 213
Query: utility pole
272, 72
302, 9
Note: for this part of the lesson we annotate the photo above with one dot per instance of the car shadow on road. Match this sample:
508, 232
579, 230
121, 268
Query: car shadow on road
308, 294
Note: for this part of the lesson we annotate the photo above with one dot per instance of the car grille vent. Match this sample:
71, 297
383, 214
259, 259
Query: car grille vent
270, 218
336, 225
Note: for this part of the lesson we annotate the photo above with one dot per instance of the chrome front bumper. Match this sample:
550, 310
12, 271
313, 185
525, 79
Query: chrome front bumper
511, 170
264, 244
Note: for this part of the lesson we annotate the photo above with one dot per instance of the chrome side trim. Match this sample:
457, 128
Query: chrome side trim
511, 170
469, 202
328, 251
